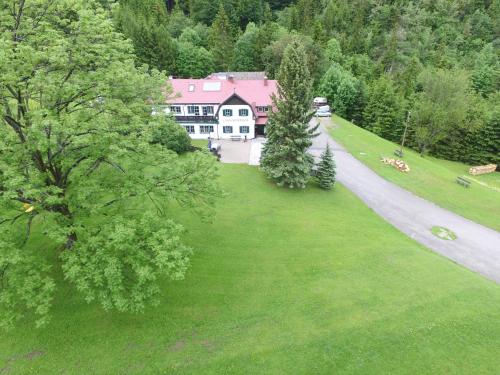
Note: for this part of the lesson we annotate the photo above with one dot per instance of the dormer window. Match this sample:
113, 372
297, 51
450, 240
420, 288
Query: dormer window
191, 87
263, 109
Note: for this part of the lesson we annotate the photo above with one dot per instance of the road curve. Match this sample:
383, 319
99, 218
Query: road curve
476, 247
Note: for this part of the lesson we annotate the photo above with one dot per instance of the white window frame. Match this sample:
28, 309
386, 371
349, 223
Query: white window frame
247, 128
193, 110
244, 110
263, 109
227, 127
207, 110
189, 128
206, 129
191, 87
227, 112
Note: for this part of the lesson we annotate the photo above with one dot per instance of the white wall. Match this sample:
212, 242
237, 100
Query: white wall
236, 121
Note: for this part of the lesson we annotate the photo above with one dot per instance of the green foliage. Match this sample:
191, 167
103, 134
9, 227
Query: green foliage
486, 74
193, 61
384, 110
221, 40
246, 52
152, 41
285, 158
326, 172
341, 89
76, 158
170, 134
119, 263
178, 22
444, 103
334, 51
273, 54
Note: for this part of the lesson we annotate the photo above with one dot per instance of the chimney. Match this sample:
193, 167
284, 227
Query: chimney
265, 80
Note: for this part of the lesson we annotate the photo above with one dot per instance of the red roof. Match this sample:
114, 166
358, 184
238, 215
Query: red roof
261, 121
216, 91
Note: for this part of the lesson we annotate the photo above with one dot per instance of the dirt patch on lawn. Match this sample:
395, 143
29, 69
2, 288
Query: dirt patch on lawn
177, 346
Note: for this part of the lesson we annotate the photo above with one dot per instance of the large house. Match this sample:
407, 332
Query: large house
223, 105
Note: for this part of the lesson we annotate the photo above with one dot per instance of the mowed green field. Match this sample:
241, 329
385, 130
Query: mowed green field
282, 282
430, 178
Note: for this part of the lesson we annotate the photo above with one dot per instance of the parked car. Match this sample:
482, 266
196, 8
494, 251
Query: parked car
323, 111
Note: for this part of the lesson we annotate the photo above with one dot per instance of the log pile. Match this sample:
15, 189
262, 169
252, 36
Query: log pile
400, 165
482, 169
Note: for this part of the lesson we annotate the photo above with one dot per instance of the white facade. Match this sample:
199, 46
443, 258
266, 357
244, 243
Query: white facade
241, 122
202, 121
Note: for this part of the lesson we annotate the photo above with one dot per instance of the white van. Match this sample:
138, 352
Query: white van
319, 101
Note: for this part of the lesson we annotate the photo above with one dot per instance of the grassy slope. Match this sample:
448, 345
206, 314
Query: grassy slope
283, 282
429, 177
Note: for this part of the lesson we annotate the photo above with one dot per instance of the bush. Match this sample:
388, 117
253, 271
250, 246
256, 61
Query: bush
171, 135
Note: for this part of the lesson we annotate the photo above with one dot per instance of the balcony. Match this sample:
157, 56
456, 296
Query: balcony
196, 119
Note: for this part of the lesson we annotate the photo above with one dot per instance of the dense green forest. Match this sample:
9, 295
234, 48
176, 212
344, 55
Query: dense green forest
379, 62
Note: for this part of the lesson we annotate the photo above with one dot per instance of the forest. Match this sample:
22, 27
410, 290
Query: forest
433, 65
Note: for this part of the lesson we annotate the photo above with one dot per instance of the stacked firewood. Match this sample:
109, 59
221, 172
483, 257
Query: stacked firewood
482, 169
400, 165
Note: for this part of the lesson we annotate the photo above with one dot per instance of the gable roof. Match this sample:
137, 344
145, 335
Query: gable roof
256, 92
234, 99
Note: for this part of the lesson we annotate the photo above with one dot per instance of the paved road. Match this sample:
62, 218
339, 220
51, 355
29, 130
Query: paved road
477, 247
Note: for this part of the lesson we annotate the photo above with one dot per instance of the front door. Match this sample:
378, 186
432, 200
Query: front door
260, 130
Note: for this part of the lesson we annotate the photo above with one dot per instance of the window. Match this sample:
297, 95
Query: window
244, 129
227, 112
243, 112
194, 110
207, 110
191, 87
262, 109
189, 128
175, 109
227, 129
206, 129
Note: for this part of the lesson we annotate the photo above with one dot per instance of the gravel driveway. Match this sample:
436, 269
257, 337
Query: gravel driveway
476, 247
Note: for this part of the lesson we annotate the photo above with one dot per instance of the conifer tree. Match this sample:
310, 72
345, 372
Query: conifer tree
221, 40
326, 169
285, 158
384, 114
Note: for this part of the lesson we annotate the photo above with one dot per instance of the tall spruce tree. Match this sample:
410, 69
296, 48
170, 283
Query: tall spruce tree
285, 158
326, 169
221, 40
384, 113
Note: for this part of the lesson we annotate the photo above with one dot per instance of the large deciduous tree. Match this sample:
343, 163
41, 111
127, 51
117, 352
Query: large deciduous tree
285, 158
78, 166
444, 103
341, 88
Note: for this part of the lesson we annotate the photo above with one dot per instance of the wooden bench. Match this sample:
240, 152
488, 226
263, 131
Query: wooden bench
463, 181
398, 153
236, 138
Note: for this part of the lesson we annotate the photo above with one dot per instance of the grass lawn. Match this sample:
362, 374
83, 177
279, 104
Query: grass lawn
430, 178
282, 282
